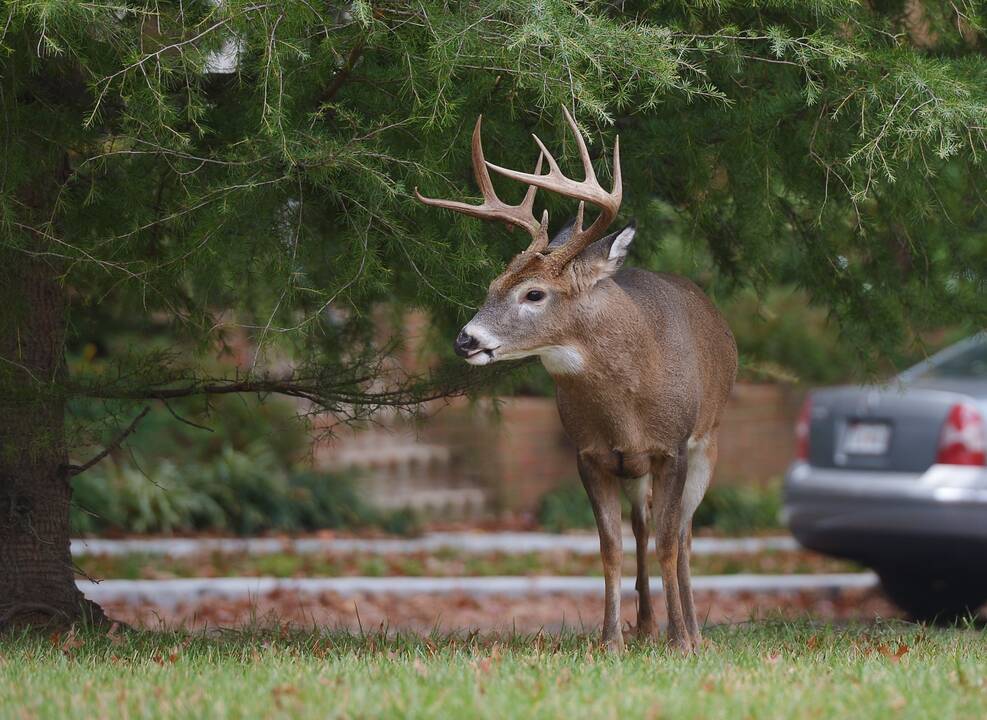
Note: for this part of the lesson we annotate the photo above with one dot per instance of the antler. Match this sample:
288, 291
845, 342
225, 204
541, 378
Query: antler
588, 190
493, 208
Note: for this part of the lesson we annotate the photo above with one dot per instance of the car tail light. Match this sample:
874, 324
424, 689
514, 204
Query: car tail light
962, 441
802, 430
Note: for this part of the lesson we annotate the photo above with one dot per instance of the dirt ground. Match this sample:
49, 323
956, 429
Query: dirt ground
423, 613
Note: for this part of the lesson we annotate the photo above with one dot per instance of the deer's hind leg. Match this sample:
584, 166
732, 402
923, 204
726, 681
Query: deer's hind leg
671, 478
639, 491
702, 459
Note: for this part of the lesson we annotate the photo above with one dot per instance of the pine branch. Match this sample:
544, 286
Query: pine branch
343, 74
73, 470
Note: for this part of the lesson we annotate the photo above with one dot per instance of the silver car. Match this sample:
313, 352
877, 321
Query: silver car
894, 478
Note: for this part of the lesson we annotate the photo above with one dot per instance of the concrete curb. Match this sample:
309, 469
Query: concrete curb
169, 593
509, 543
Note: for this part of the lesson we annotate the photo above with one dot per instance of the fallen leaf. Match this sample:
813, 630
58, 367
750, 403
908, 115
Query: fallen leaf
280, 692
892, 656
71, 643
113, 634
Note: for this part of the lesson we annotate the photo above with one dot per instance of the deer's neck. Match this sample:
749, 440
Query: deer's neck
609, 338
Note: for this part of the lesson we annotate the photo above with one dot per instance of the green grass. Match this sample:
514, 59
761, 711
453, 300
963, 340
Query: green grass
762, 670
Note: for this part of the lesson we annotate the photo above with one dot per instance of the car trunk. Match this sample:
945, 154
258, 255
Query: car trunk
893, 429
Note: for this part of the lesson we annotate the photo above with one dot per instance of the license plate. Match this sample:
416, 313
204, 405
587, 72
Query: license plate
866, 438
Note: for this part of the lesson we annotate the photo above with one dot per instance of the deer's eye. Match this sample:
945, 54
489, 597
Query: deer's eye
534, 295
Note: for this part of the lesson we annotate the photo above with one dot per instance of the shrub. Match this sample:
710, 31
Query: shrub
240, 491
729, 509
565, 508
123, 496
735, 509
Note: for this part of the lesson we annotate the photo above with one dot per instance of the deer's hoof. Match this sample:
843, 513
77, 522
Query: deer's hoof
646, 630
681, 645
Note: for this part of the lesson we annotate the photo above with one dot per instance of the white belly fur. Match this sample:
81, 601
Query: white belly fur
697, 479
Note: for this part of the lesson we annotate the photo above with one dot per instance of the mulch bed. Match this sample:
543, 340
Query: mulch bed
424, 613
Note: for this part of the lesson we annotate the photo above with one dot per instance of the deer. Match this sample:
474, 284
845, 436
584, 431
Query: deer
643, 364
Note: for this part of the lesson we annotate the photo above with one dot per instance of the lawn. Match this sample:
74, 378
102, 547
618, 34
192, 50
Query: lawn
756, 670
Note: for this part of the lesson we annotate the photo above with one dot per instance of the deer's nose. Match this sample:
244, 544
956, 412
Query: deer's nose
465, 343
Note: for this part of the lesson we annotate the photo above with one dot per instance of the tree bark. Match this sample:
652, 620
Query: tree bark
37, 578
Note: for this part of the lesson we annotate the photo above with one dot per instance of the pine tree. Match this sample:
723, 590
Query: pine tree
200, 169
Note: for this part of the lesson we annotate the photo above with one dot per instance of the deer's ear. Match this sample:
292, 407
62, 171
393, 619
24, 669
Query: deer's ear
604, 257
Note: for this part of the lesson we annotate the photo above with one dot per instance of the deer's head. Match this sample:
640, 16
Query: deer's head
533, 307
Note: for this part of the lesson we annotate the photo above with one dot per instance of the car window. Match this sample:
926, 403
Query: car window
970, 363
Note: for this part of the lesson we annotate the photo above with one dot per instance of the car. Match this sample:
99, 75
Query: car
894, 478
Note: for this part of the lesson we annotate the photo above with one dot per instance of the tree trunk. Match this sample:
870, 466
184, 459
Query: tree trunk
37, 579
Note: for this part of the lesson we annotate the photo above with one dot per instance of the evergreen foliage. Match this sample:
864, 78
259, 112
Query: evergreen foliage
206, 169
238, 174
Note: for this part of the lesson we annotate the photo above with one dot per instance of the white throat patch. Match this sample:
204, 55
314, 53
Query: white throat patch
561, 359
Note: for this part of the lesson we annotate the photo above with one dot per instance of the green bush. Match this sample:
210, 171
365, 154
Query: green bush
736, 509
124, 497
565, 508
244, 477
243, 492
727, 509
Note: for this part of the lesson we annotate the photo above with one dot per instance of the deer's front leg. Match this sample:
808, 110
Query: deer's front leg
604, 496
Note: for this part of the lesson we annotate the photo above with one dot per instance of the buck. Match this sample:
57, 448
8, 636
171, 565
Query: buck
643, 364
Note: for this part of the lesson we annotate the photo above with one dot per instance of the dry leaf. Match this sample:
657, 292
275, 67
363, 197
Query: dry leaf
892, 656
113, 634
283, 691
70, 643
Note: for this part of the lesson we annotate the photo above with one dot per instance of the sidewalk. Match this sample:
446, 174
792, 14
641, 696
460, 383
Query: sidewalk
477, 543
168, 593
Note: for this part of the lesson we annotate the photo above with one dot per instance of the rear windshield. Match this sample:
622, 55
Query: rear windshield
970, 363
